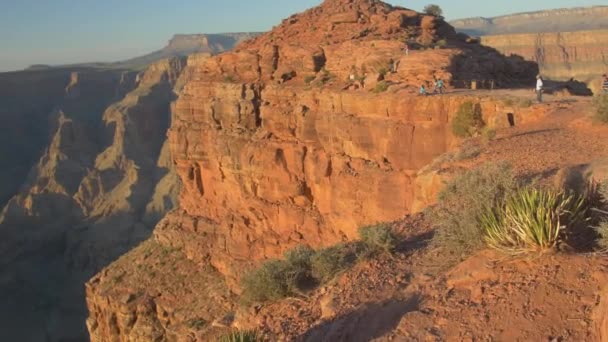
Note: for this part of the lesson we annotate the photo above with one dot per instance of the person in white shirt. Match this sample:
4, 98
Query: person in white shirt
539, 88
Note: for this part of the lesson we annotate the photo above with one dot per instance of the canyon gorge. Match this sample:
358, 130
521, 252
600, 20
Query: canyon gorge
148, 188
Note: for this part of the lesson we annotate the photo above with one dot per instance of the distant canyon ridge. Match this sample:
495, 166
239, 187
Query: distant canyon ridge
566, 43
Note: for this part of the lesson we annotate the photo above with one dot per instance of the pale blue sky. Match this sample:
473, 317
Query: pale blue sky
70, 31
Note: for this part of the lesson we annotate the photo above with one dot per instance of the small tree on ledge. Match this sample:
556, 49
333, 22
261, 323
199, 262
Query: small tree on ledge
433, 9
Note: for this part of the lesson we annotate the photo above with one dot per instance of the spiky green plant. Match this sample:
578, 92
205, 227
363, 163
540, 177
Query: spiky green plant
532, 219
241, 336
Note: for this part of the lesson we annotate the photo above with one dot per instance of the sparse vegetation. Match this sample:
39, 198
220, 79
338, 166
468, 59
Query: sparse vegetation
519, 102
468, 150
304, 268
308, 79
601, 210
196, 323
441, 43
229, 79
532, 219
378, 238
488, 134
381, 87
327, 263
433, 9
241, 336
525, 103
601, 108
459, 212
271, 281
326, 76
602, 231
383, 71
468, 120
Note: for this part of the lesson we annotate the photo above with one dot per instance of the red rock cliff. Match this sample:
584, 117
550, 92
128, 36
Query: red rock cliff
276, 148
560, 55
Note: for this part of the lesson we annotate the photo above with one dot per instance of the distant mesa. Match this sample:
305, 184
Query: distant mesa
566, 43
186, 44
179, 46
556, 20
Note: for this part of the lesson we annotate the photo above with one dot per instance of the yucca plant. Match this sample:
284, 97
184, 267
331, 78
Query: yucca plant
532, 219
241, 336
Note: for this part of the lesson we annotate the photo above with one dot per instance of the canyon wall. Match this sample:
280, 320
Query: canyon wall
582, 55
566, 43
100, 177
277, 146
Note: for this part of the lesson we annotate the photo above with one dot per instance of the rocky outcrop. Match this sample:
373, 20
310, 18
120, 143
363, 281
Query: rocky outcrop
562, 55
556, 20
276, 147
102, 183
566, 43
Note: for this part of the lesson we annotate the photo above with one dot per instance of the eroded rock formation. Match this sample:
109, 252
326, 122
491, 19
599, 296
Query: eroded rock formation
103, 181
582, 55
277, 148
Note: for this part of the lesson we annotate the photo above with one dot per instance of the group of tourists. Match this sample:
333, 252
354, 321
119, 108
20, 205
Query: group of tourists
438, 84
605, 84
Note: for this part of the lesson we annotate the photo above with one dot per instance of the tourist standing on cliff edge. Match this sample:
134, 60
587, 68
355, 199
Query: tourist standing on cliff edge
539, 88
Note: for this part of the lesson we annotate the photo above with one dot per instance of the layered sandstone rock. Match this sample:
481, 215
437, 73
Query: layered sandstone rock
555, 20
560, 55
104, 180
276, 148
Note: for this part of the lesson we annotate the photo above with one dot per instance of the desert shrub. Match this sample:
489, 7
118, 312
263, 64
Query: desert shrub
441, 43
602, 235
196, 323
433, 9
308, 79
532, 219
601, 108
488, 134
299, 264
468, 120
467, 151
600, 210
328, 262
241, 336
229, 79
271, 281
378, 239
301, 269
381, 87
508, 102
383, 71
459, 212
326, 76
524, 103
